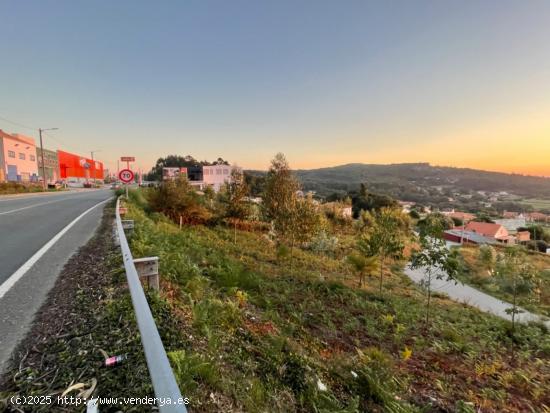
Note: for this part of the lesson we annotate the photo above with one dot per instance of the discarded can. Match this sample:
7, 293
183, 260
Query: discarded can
115, 360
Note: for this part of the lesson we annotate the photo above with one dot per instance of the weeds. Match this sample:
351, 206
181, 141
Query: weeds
259, 337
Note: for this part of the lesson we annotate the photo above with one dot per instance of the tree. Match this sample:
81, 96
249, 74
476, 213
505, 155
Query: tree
483, 217
305, 221
255, 182
362, 265
384, 236
179, 201
517, 275
171, 161
435, 222
220, 161
486, 258
177, 161
414, 214
280, 195
435, 259
294, 219
368, 201
235, 193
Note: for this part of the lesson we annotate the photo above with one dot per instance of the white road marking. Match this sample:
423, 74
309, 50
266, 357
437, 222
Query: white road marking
31, 206
20, 272
7, 198
37, 205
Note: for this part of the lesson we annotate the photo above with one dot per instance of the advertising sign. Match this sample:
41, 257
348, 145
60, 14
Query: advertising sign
170, 173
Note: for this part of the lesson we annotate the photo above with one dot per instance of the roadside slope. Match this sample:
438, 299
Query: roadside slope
87, 315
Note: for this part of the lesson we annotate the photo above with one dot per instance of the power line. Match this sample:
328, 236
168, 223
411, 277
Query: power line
44, 132
58, 140
18, 124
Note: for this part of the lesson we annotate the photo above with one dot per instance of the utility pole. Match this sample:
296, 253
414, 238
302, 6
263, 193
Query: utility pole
93, 163
43, 164
40, 130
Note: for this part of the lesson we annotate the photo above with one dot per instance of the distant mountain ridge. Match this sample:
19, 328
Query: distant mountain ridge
419, 181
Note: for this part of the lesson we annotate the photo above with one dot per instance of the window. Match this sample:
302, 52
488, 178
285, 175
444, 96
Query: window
11, 154
32, 158
226, 171
21, 156
207, 172
218, 171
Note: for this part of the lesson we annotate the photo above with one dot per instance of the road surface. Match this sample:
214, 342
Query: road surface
466, 294
38, 234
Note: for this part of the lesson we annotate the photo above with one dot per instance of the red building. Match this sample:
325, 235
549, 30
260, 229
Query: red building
77, 169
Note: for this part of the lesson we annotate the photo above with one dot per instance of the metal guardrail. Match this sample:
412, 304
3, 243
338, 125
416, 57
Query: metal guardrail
164, 383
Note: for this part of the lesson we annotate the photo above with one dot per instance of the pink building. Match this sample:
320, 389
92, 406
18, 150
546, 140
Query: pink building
17, 158
216, 175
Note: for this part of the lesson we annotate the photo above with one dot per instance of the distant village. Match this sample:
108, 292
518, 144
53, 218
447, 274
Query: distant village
510, 229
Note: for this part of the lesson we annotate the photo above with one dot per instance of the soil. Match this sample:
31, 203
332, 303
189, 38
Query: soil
86, 318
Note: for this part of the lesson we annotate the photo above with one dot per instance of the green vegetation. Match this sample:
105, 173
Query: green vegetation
512, 275
444, 187
434, 258
257, 335
173, 161
88, 317
7, 188
538, 204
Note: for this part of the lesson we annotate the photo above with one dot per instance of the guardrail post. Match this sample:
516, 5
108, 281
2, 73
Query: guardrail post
148, 267
162, 376
127, 223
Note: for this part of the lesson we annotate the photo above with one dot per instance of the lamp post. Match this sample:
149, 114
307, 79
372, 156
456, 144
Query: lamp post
40, 130
93, 162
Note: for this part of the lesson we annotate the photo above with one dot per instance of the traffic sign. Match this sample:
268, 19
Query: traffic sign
127, 158
126, 176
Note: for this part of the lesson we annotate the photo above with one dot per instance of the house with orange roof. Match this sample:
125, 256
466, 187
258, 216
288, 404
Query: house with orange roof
463, 216
511, 215
489, 230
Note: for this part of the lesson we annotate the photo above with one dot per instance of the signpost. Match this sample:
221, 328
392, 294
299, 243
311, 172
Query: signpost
126, 176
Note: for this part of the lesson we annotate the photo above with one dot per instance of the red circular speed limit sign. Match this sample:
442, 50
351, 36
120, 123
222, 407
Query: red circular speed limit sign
126, 176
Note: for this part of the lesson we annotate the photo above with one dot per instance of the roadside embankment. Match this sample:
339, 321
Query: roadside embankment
87, 317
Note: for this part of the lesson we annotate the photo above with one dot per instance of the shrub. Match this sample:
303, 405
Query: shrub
178, 200
324, 244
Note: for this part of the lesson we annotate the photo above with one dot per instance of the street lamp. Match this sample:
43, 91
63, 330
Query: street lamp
40, 130
93, 162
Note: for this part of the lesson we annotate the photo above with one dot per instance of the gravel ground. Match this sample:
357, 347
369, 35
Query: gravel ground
87, 317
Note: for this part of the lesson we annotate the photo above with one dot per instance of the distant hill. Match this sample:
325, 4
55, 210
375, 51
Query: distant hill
424, 183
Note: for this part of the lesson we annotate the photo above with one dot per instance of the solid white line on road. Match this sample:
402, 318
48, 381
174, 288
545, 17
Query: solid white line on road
16, 276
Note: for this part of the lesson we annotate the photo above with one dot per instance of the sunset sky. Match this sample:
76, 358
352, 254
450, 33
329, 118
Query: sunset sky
461, 83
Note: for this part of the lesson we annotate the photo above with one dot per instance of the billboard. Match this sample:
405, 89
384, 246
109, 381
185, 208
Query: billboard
173, 173
76, 166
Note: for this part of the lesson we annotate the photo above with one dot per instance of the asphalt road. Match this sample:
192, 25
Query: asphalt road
27, 224
466, 294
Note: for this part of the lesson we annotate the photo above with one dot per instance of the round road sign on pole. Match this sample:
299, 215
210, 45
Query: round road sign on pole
126, 176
